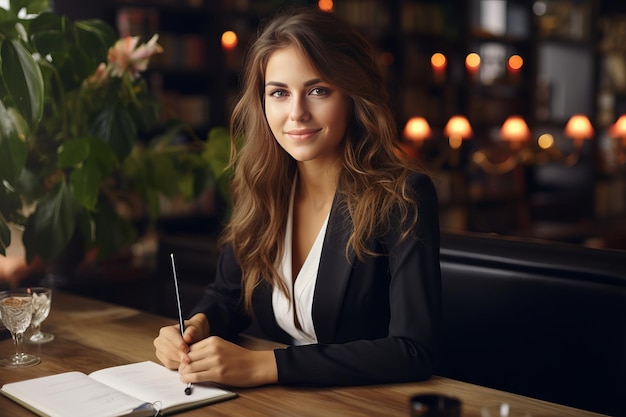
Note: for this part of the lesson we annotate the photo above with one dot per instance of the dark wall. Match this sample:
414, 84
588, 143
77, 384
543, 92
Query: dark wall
83, 9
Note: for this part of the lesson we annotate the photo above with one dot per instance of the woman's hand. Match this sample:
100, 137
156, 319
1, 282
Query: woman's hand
217, 360
172, 348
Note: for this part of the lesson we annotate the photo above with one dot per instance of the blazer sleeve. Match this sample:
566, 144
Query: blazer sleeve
221, 301
405, 349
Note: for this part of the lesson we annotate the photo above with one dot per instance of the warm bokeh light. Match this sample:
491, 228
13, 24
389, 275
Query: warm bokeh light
515, 130
515, 62
325, 5
460, 126
455, 141
229, 39
472, 61
458, 129
618, 129
545, 141
579, 128
417, 129
438, 60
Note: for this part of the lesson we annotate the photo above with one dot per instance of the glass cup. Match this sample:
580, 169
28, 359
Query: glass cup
16, 312
434, 405
503, 410
42, 300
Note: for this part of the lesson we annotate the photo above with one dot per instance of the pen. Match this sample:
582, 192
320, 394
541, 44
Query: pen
181, 322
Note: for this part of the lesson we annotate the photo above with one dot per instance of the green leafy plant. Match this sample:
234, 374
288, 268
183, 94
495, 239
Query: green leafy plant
76, 118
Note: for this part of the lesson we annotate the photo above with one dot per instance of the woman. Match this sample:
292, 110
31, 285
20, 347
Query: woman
333, 243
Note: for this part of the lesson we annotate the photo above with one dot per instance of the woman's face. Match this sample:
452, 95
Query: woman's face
307, 115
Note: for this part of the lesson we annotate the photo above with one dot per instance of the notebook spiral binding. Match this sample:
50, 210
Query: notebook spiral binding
156, 406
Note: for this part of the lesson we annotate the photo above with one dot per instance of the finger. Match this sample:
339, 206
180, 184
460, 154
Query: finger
170, 347
201, 370
184, 358
192, 334
172, 335
165, 356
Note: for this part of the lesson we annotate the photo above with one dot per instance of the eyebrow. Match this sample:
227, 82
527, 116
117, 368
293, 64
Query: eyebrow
306, 84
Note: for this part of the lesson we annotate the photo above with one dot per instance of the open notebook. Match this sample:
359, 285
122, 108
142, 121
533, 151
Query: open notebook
138, 389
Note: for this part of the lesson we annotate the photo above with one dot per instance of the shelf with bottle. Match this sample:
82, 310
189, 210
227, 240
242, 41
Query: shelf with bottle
183, 76
611, 50
565, 20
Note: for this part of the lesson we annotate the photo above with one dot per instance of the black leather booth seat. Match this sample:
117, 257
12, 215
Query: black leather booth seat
540, 319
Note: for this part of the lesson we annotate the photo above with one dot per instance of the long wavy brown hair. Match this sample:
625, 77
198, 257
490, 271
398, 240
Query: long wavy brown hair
373, 180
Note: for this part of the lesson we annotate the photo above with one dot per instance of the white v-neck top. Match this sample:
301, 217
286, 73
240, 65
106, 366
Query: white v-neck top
301, 291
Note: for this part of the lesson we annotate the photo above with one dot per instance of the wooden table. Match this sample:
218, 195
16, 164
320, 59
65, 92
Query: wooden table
92, 334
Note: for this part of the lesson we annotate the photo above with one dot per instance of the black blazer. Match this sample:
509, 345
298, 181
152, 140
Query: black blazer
376, 320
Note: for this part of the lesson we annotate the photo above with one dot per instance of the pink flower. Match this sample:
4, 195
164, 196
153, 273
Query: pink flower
125, 57
98, 77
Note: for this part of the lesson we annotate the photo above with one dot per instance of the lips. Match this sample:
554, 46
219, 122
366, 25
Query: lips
301, 134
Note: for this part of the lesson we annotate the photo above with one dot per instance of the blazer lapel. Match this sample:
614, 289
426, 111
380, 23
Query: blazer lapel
333, 274
264, 312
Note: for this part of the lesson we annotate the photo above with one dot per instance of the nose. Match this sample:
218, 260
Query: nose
299, 110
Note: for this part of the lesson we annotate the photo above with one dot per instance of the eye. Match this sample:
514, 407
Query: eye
277, 93
319, 91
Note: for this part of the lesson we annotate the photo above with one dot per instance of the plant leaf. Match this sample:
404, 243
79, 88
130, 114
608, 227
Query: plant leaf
162, 175
116, 127
153, 203
217, 155
102, 156
85, 184
112, 232
50, 228
10, 205
32, 6
95, 37
202, 179
8, 19
217, 150
72, 152
13, 150
5, 236
23, 80
29, 184
46, 33
147, 111
86, 179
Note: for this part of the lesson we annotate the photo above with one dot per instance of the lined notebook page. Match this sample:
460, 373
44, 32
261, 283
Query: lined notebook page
151, 382
72, 394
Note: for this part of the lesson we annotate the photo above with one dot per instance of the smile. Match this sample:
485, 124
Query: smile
301, 134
